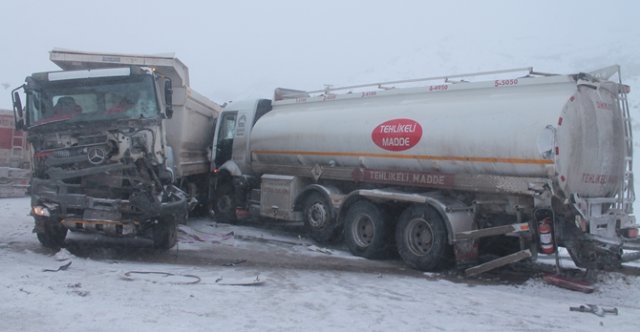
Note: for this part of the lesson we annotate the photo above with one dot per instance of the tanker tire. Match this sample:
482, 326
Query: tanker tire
366, 232
224, 204
319, 219
165, 232
54, 234
421, 238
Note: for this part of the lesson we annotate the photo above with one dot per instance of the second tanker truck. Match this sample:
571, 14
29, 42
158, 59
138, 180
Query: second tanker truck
443, 171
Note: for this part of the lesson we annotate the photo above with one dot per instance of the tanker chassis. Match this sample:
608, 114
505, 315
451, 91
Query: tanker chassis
120, 146
441, 173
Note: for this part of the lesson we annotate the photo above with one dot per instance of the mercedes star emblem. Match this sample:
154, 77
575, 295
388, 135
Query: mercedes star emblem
96, 155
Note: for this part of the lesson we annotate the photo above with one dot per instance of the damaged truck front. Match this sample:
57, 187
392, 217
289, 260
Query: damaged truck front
110, 154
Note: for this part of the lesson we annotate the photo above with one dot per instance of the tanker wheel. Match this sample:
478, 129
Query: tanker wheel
319, 219
165, 232
51, 233
421, 238
366, 231
224, 203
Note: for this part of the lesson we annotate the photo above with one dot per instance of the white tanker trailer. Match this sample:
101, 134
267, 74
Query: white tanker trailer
441, 172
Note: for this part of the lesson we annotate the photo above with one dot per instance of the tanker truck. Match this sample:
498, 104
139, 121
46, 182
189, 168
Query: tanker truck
120, 146
441, 171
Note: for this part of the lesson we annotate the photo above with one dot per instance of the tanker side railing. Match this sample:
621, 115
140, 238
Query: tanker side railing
447, 82
447, 79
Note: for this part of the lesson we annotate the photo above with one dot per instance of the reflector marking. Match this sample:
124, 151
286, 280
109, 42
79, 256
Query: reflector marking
493, 160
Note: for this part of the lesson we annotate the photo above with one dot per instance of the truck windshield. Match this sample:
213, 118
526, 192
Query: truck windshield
92, 100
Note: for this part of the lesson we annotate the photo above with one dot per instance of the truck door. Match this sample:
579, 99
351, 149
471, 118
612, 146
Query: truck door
223, 148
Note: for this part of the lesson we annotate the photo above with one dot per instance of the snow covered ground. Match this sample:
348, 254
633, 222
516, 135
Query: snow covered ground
100, 291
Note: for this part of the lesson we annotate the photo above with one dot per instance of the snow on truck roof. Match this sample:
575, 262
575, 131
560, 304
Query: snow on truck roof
166, 64
449, 83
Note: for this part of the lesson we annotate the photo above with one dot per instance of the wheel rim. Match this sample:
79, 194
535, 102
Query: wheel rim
317, 215
363, 230
419, 237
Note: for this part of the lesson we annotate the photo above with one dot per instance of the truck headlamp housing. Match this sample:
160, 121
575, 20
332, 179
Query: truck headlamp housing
41, 211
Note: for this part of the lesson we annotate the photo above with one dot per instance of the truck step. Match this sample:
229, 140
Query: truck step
484, 232
630, 257
498, 262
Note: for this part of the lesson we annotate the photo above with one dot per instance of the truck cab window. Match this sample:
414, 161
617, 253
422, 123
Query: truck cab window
225, 138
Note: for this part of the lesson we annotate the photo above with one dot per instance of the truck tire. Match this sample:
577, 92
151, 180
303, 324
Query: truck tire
421, 238
319, 219
366, 230
165, 233
224, 204
52, 234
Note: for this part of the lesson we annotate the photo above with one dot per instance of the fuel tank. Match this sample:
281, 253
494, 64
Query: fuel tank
564, 128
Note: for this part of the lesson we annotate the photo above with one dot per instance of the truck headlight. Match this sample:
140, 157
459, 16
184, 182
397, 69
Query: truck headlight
41, 211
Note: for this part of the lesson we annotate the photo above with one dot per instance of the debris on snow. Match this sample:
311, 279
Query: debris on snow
234, 263
63, 255
162, 277
241, 281
595, 309
320, 250
60, 268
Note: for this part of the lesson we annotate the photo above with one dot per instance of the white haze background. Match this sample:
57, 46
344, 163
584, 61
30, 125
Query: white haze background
239, 49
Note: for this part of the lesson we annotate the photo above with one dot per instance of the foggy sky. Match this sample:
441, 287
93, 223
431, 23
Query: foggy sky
239, 49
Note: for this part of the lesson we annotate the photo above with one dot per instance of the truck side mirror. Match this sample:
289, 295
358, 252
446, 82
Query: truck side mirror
168, 98
18, 112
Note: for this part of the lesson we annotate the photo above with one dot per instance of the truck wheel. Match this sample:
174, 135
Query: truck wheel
366, 231
165, 233
421, 237
53, 233
319, 219
224, 204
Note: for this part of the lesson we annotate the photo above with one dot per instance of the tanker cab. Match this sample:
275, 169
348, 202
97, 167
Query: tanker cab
231, 141
223, 140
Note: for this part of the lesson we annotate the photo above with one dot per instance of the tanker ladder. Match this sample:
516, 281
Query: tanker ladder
626, 195
519, 229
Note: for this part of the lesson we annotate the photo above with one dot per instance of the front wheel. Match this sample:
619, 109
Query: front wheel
421, 237
51, 233
366, 232
165, 232
319, 219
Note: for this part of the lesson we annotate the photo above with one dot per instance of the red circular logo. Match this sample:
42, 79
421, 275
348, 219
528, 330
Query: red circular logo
397, 134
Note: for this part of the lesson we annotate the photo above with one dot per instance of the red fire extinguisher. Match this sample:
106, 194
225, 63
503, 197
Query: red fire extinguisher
545, 231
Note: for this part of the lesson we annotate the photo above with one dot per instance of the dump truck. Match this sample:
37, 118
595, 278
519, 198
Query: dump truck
120, 145
440, 170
